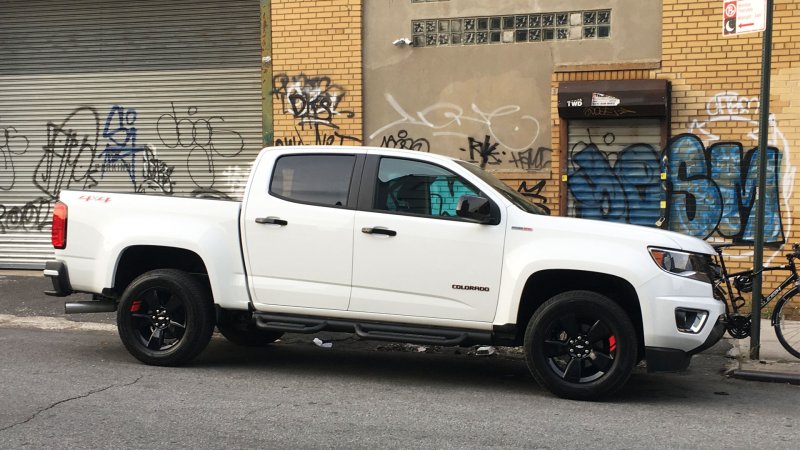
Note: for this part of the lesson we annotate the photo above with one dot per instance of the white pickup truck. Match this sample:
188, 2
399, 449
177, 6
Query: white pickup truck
389, 245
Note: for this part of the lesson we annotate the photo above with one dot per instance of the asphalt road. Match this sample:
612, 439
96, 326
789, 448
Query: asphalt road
81, 389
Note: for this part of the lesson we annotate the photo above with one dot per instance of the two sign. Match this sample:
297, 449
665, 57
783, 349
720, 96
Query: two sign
743, 16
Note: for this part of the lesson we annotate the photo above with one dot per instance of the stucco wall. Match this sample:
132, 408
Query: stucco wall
489, 103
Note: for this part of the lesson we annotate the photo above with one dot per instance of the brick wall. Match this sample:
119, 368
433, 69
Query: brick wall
317, 76
715, 89
716, 85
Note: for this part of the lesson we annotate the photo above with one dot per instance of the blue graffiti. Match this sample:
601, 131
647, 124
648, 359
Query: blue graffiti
627, 191
714, 190
706, 191
120, 154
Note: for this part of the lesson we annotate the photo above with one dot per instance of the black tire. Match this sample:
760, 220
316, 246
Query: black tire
787, 323
165, 317
247, 335
581, 345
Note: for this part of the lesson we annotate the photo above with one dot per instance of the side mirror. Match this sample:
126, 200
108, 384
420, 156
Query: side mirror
474, 208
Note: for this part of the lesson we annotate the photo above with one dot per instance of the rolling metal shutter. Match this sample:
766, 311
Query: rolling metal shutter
614, 170
158, 97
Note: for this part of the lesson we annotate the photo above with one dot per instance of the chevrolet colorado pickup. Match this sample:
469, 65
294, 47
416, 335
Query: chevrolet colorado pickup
389, 245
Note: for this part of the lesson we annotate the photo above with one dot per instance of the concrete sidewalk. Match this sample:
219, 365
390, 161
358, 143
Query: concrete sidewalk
774, 365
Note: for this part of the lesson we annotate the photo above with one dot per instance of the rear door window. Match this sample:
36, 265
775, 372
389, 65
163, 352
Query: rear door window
314, 179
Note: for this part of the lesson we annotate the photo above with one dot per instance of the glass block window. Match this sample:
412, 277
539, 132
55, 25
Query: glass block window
597, 24
506, 29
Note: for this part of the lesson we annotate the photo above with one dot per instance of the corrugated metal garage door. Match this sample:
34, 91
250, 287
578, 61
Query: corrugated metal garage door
614, 171
158, 97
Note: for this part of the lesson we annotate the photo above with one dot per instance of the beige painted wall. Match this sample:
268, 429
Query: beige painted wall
440, 97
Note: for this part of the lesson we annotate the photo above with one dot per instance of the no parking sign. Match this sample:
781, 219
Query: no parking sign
743, 16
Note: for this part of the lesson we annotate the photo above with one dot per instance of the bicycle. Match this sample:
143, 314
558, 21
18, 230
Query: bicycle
785, 317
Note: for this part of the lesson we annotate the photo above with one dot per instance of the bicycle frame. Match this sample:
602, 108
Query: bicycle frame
728, 298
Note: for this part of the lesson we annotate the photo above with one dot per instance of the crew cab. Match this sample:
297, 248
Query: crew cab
389, 245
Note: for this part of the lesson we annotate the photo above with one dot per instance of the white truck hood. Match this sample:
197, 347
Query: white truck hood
625, 232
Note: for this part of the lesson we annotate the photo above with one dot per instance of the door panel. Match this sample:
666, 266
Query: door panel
435, 265
300, 254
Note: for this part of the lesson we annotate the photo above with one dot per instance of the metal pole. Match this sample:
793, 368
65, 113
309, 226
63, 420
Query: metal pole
763, 132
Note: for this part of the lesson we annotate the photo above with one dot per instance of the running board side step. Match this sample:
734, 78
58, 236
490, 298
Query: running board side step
373, 330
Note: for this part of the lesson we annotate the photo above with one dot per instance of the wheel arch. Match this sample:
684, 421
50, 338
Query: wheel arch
544, 284
139, 259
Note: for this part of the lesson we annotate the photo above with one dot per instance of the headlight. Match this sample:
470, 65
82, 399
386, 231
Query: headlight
688, 265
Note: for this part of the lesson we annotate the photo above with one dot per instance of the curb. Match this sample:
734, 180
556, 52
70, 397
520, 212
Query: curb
770, 377
34, 273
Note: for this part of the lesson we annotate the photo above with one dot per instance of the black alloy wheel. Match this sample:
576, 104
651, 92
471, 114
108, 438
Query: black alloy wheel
159, 319
580, 350
581, 345
165, 317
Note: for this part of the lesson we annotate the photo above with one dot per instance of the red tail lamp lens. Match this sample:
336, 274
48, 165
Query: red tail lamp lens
59, 231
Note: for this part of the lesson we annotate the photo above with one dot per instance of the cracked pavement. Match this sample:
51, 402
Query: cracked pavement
77, 397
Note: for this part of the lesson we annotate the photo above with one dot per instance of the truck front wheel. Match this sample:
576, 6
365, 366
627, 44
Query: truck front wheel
580, 345
165, 317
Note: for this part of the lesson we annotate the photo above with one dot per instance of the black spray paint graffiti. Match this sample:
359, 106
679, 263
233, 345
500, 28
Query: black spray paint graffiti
33, 215
11, 144
156, 174
67, 162
312, 100
34, 212
532, 160
204, 140
706, 190
483, 152
403, 141
68, 159
535, 194
607, 111
314, 103
486, 152
320, 138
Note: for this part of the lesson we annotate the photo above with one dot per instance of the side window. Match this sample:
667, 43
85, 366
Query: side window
418, 188
318, 179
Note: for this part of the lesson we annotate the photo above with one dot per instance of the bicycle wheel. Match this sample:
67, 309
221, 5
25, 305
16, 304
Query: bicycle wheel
787, 323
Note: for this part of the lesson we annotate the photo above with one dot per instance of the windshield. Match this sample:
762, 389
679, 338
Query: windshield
513, 196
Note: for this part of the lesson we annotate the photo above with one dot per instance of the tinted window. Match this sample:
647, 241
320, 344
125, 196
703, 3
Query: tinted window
511, 195
318, 179
418, 188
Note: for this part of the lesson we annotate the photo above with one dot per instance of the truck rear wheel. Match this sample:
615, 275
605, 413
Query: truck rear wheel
580, 345
165, 317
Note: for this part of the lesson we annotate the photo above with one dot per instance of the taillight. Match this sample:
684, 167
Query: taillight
58, 234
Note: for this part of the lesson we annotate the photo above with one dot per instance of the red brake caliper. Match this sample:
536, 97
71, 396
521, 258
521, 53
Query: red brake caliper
612, 343
136, 305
